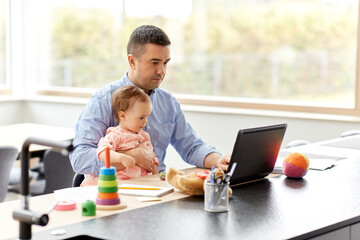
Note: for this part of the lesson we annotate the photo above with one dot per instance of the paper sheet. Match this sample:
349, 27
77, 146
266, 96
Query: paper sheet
77, 194
81, 194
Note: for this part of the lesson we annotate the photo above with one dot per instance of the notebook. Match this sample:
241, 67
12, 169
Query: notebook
161, 191
317, 162
255, 152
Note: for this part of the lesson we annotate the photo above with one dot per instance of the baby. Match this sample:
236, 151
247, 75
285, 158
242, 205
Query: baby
131, 107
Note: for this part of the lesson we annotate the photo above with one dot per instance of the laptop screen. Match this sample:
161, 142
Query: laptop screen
255, 152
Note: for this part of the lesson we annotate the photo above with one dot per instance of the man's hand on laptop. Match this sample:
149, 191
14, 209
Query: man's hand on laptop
223, 162
214, 159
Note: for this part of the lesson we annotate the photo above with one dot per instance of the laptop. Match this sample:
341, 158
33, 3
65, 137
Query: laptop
255, 152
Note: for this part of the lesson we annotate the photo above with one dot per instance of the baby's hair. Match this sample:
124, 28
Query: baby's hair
125, 97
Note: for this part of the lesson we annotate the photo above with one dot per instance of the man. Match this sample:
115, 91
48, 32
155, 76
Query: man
148, 55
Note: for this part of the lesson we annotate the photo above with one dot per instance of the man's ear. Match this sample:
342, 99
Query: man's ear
121, 115
131, 60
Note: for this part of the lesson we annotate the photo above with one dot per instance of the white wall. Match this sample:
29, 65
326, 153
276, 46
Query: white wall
11, 112
217, 129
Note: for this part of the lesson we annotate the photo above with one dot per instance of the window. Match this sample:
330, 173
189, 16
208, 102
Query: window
232, 52
3, 63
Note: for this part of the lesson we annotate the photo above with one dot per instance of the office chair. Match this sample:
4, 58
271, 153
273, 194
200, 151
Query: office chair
350, 133
77, 180
15, 176
8, 155
58, 174
35, 173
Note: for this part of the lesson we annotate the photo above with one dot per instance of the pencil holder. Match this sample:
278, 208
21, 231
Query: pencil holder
216, 197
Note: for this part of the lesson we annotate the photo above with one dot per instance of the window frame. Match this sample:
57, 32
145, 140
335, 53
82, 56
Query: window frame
239, 103
6, 89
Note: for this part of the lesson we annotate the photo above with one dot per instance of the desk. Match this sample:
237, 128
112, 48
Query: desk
9, 227
274, 208
15, 134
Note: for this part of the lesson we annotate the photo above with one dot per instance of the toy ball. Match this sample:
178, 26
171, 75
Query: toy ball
162, 176
295, 165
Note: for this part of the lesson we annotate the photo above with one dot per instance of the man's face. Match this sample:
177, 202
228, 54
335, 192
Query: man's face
148, 71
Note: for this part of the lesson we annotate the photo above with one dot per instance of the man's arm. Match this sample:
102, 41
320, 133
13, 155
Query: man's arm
90, 127
192, 148
83, 160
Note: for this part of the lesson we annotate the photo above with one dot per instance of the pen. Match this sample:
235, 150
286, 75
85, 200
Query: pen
232, 169
224, 188
228, 176
140, 188
212, 188
212, 175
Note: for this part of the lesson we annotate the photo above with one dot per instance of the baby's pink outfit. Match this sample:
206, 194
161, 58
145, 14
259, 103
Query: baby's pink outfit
119, 139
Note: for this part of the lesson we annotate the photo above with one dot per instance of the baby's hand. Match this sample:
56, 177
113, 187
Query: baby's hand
128, 162
155, 169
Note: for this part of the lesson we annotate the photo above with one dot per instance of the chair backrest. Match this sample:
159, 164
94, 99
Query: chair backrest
58, 171
8, 155
77, 180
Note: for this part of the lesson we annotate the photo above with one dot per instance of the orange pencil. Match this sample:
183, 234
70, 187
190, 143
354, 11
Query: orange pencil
140, 188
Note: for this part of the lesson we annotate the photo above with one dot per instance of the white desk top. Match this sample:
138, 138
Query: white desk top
15, 134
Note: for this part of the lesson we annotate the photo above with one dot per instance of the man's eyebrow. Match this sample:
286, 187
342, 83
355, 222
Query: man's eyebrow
159, 60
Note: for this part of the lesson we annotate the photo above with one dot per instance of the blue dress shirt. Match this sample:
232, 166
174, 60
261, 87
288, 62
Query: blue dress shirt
166, 124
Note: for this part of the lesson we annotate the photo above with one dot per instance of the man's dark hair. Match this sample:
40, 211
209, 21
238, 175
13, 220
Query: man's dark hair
143, 35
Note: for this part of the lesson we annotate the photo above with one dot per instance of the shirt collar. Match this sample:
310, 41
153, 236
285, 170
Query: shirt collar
129, 82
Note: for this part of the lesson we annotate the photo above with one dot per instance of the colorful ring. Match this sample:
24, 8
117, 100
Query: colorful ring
65, 206
108, 171
102, 195
108, 189
112, 183
107, 201
107, 177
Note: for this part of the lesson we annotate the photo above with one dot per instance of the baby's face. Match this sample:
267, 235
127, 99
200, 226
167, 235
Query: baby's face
136, 117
